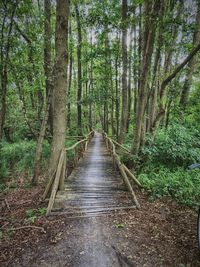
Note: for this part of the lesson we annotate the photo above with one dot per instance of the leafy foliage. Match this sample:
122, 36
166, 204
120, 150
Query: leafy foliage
32, 214
19, 157
164, 172
177, 146
181, 184
193, 111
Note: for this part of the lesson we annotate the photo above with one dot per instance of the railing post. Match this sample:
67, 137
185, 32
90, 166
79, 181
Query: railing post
63, 173
56, 183
75, 157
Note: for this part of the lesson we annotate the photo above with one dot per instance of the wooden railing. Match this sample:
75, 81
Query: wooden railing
125, 172
57, 180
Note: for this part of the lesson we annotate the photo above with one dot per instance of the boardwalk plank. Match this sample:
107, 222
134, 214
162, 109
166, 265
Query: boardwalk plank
93, 187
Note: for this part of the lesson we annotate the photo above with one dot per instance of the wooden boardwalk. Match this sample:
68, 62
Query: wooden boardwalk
93, 188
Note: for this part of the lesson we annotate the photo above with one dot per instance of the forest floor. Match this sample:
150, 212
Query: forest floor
162, 233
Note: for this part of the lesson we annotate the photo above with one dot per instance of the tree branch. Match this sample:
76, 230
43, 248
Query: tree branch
178, 69
26, 38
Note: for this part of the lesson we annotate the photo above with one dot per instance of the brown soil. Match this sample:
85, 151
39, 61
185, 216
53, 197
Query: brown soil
162, 233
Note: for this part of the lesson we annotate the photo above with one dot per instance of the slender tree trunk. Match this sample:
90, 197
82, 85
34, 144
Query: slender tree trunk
116, 98
49, 92
151, 11
135, 72
191, 66
79, 92
139, 52
109, 87
167, 80
40, 140
168, 113
148, 42
60, 83
129, 81
152, 98
124, 108
22, 99
91, 88
69, 93
30, 59
69, 82
47, 56
5, 49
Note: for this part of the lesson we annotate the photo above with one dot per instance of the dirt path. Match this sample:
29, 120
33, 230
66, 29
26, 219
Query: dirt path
162, 234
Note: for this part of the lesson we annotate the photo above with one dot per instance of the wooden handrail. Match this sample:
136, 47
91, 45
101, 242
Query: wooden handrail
74, 136
56, 182
57, 179
80, 142
116, 143
75, 145
123, 147
122, 168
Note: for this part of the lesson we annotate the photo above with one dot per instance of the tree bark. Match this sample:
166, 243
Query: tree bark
60, 83
30, 59
79, 92
22, 99
5, 49
167, 80
191, 66
124, 108
69, 93
117, 102
150, 11
69, 80
91, 88
47, 56
129, 81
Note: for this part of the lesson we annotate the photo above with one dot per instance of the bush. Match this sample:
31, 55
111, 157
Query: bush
19, 157
178, 146
181, 184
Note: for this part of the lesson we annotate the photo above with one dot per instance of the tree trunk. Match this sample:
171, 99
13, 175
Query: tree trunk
151, 11
47, 56
22, 99
69, 93
79, 92
5, 49
116, 98
30, 59
192, 63
167, 80
91, 88
129, 80
60, 83
40, 140
69, 83
152, 95
124, 108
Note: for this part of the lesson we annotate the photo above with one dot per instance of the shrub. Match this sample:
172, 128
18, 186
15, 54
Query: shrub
178, 146
19, 157
181, 184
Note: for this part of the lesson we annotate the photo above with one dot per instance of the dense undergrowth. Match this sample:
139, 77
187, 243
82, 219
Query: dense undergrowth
17, 158
165, 160
162, 166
